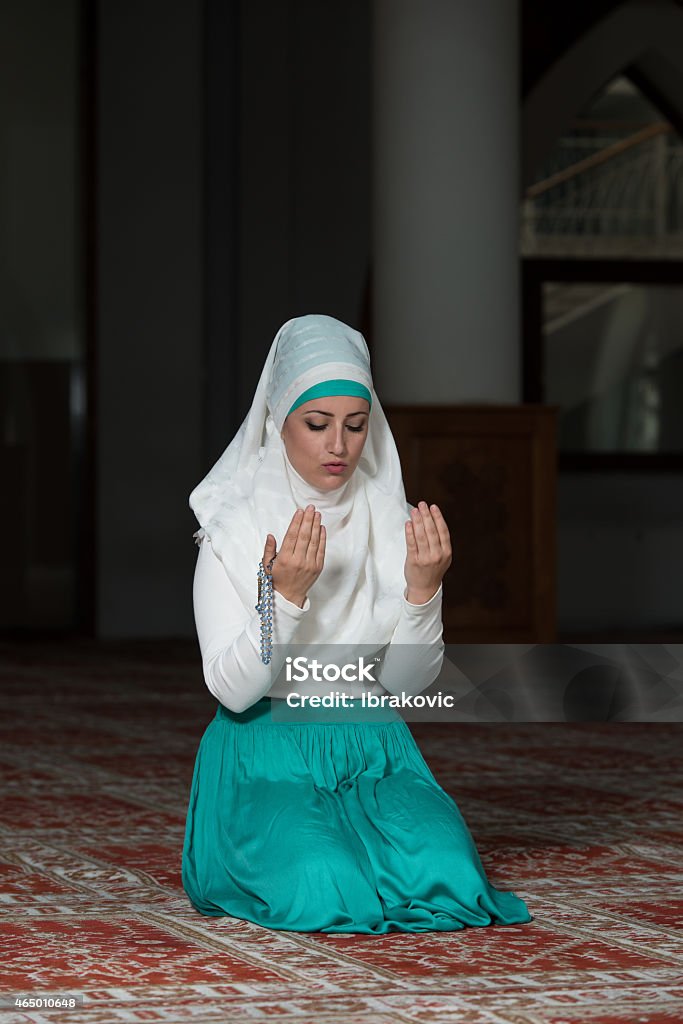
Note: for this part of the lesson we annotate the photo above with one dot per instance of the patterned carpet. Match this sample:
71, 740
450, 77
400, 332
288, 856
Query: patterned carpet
583, 821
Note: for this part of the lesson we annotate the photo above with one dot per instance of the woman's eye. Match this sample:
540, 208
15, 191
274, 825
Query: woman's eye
313, 426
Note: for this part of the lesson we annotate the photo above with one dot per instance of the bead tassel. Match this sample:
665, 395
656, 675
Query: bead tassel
265, 609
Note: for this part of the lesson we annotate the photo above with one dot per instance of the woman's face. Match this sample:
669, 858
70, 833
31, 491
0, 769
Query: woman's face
323, 431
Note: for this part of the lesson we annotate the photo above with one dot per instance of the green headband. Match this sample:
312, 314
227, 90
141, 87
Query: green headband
338, 386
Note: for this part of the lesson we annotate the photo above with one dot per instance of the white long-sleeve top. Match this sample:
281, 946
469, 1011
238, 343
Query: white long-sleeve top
230, 643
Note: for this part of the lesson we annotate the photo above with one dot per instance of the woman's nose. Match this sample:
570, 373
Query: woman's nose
338, 444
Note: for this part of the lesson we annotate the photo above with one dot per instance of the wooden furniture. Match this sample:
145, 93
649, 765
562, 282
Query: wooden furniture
491, 469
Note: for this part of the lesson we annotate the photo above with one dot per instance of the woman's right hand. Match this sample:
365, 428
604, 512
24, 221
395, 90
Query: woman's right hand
301, 558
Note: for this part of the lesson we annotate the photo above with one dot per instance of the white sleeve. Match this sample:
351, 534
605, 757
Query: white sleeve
414, 657
230, 638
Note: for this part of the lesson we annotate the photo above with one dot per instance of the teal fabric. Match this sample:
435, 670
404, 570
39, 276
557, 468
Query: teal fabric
335, 386
330, 827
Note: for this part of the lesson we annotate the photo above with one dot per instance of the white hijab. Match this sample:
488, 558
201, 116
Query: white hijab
253, 489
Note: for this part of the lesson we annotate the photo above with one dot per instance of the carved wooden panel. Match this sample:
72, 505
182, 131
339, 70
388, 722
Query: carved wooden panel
492, 471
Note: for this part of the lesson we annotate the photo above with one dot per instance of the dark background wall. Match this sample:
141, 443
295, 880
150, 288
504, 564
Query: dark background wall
149, 327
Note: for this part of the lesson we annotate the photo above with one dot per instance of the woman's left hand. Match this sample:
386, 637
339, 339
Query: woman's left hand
429, 554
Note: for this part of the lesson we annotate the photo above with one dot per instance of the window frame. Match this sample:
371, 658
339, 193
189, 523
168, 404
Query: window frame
535, 272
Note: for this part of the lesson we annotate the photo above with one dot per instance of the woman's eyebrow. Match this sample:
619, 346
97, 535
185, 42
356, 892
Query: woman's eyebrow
360, 412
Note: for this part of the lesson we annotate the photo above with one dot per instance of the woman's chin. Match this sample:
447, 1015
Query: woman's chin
333, 481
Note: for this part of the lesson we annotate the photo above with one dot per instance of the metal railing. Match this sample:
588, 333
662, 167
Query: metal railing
610, 194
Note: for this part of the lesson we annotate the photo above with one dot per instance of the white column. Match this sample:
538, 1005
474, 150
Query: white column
446, 201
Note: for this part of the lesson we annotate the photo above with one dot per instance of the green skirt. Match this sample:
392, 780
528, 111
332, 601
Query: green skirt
317, 826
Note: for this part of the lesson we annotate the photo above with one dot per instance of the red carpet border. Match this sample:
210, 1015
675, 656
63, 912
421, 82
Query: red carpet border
583, 821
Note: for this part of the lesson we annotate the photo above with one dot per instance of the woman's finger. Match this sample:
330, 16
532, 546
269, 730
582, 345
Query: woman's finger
441, 526
304, 536
289, 539
312, 550
420, 533
410, 538
433, 538
320, 556
269, 551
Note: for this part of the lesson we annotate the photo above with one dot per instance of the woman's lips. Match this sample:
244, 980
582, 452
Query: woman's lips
335, 467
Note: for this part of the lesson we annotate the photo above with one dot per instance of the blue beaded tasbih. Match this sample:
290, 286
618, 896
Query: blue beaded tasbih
265, 609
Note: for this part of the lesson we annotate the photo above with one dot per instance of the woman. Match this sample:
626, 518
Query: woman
310, 823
